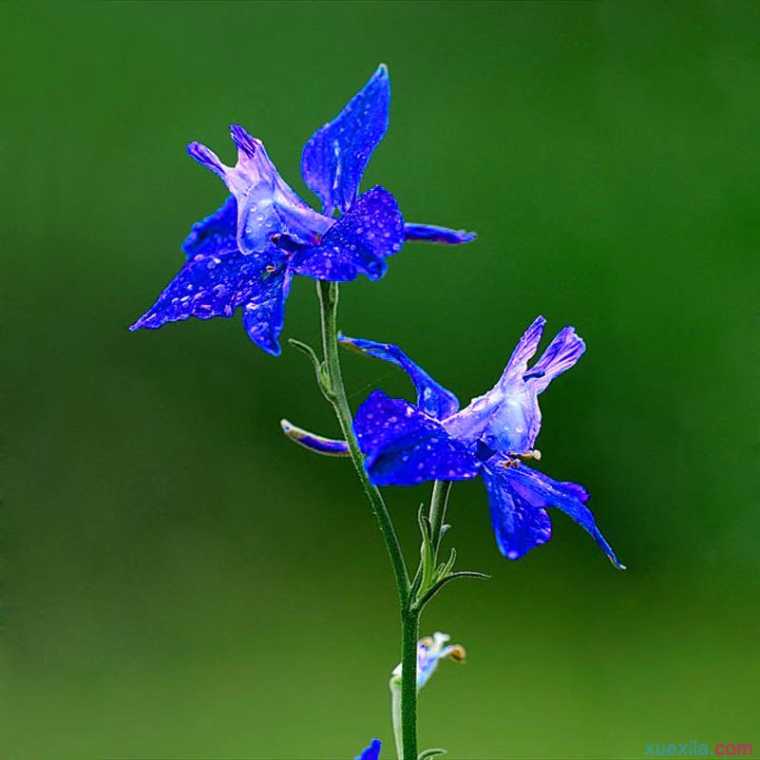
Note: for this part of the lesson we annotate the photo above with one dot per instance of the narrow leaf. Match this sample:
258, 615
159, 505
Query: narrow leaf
426, 754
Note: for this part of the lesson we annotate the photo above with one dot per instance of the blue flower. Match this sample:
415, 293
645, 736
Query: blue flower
405, 444
372, 752
244, 255
430, 651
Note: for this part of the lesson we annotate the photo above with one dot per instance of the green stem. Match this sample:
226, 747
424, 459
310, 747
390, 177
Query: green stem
409, 636
395, 687
331, 380
336, 393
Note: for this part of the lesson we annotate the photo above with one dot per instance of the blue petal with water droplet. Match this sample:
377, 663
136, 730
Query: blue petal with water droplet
357, 243
533, 491
518, 526
403, 446
336, 155
216, 234
432, 397
264, 312
216, 286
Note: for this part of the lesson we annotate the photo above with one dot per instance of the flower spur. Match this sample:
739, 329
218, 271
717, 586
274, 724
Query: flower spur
405, 444
244, 255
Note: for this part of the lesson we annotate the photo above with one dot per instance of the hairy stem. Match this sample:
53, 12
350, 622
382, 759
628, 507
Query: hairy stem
409, 636
334, 390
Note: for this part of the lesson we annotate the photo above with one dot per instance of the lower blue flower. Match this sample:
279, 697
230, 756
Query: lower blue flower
405, 444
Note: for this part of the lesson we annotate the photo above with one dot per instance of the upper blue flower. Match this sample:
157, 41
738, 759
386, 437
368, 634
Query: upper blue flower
405, 443
245, 253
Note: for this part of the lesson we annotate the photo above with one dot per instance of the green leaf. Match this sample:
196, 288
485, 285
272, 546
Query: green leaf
425, 596
305, 348
426, 754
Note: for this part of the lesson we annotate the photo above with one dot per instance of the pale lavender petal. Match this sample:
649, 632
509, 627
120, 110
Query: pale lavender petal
561, 354
508, 418
432, 398
336, 155
266, 205
526, 348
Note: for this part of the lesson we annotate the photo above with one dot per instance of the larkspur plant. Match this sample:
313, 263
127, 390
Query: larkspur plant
244, 256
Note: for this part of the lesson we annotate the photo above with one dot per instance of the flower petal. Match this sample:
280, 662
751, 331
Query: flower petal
403, 446
336, 155
432, 398
264, 313
215, 286
527, 346
507, 419
561, 354
372, 752
216, 234
430, 233
357, 243
540, 491
266, 205
517, 525
328, 446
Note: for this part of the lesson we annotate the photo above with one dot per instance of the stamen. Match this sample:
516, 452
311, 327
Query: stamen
457, 653
514, 459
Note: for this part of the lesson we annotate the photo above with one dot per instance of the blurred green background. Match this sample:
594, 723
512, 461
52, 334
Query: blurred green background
185, 583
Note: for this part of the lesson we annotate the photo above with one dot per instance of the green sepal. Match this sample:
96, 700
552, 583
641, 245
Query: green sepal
446, 568
427, 553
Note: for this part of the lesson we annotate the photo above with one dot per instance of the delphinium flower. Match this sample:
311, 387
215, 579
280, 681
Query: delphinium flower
430, 651
244, 255
405, 444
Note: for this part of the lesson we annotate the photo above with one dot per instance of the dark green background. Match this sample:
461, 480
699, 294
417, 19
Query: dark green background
184, 582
